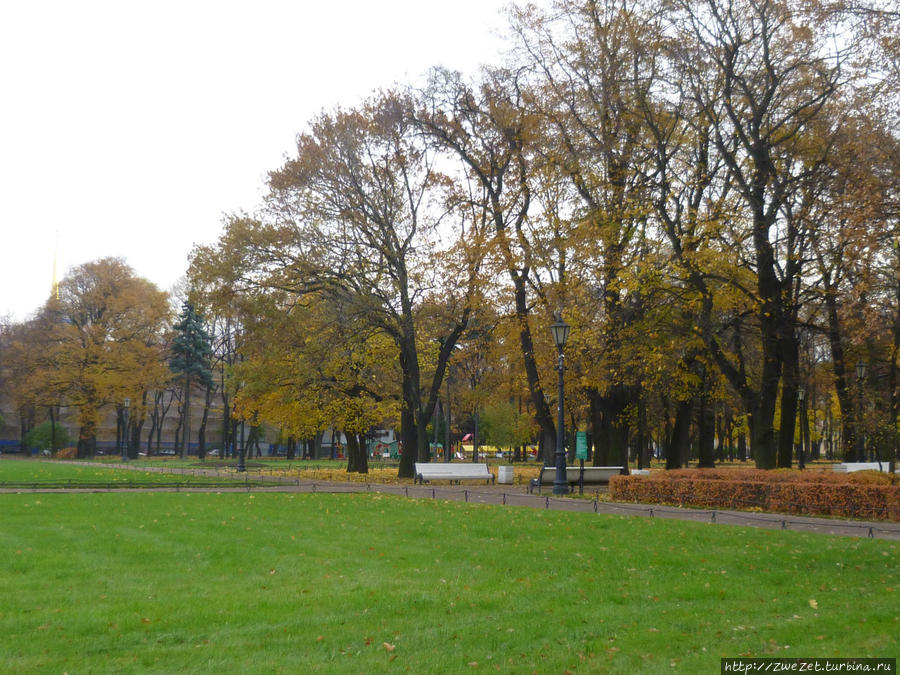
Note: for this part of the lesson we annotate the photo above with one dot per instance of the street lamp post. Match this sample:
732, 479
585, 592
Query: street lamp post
241, 466
560, 330
801, 398
860, 446
126, 407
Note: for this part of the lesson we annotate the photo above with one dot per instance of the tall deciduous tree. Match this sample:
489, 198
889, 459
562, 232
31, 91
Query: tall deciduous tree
758, 78
108, 327
353, 222
489, 129
595, 61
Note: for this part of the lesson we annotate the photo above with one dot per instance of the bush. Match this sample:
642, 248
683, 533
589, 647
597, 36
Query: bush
846, 495
44, 435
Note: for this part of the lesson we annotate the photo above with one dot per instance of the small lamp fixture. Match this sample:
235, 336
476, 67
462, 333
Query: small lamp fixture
560, 331
801, 394
860, 370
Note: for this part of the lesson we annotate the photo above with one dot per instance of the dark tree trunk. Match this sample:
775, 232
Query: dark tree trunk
706, 436
790, 371
186, 418
87, 441
201, 432
291, 448
678, 445
543, 415
227, 435
134, 442
611, 425
408, 439
150, 433
26, 424
842, 390
357, 457
642, 440
601, 450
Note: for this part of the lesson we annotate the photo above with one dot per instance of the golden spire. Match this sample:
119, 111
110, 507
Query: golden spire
54, 289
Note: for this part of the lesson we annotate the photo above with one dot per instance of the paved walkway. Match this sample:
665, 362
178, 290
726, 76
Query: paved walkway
517, 495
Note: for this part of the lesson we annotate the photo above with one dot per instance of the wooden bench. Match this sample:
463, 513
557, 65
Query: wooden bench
593, 475
428, 471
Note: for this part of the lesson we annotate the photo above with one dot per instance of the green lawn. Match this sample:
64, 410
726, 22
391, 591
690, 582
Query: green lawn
237, 582
27, 472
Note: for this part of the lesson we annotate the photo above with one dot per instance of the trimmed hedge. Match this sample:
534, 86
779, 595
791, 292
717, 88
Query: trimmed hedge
865, 494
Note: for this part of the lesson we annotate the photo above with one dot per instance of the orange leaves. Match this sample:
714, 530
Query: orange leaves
779, 491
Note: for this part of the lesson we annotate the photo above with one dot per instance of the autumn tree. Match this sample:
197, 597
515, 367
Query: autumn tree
214, 273
755, 80
29, 373
354, 220
304, 371
488, 128
106, 334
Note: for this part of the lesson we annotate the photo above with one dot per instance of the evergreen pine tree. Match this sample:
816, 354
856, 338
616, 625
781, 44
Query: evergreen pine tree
191, 353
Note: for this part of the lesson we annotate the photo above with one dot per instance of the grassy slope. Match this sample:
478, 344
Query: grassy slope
369, 583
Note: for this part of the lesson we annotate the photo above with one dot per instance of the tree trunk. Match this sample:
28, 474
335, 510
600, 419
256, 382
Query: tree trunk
412, 416
52, 415
201, 432
357, 456
87, 440
601, 450
842, 390
611, 425
26, 424
678, 445
475, 440
186, 416
409, 436
642, 440
790, 371
159, 430
706, 436
543, 416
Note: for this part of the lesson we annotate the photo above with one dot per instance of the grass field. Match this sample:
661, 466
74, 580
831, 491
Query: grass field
236, 582
36, 472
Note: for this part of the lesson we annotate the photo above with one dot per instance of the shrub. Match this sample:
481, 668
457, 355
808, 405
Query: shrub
45, 435
785, 491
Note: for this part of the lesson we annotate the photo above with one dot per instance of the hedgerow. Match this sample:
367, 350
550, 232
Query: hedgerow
865, 494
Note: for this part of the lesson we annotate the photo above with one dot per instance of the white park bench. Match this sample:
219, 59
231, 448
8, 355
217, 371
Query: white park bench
428, 471
593, 475
850, 467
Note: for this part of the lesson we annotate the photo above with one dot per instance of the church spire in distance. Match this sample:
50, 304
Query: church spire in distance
54, 288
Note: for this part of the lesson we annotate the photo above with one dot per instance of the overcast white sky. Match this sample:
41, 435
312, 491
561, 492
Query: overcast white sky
128, 128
